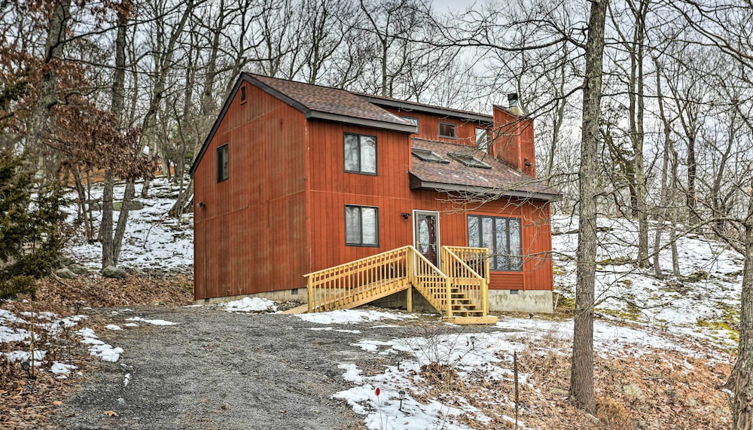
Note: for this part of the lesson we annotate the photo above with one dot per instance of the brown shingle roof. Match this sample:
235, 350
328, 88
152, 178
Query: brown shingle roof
330, 100
499, 179
408, 105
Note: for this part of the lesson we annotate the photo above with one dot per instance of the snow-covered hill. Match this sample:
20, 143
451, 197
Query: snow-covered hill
153, 241
702, 303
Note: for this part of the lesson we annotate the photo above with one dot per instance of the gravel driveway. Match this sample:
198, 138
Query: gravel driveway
219, 370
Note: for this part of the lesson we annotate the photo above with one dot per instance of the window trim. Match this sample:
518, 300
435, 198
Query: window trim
376, 154
454, 127
243, 96
360, 220
494, 237
226, 148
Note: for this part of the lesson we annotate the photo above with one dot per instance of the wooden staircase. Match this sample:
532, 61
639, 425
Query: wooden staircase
460, 293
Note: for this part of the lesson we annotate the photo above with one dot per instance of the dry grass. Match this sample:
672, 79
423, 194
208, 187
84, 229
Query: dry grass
658, 390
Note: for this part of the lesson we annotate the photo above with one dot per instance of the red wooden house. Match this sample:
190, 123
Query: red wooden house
297, 178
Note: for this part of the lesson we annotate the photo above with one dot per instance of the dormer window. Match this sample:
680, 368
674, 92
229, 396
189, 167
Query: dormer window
469, 160
482, 139
447, 130
427, 155
243, 94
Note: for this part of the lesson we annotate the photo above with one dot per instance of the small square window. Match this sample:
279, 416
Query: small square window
427, 155
223, 163
469, 160
447, 130
361, 226
360, 154
243, 94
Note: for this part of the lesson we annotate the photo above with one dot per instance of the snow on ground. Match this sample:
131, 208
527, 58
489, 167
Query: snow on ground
486, 355
35, 323
352, 316
152, 322
250, 304
97, 348
152, 239
703, 303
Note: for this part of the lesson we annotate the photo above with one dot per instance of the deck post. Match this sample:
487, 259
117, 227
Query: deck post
485, 297
310, 294
449, 298
409, 298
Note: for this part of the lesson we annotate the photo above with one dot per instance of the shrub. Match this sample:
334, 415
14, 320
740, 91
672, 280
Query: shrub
31, 227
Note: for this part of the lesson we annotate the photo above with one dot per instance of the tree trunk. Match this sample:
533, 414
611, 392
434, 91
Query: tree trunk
53, 49
741, 379
581, 377
664, 190
116, 107
130, 192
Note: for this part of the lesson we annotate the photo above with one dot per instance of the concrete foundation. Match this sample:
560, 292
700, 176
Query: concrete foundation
538, 301
291, 295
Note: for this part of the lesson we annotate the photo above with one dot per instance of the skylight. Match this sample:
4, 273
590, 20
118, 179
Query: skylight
469, 160
427, 155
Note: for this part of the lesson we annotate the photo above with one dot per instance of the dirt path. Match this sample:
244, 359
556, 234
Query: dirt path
218, 370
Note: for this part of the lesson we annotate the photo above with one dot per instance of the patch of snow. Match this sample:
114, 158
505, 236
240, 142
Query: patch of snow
131, 325
352, 372
250, 304
98, 348
10, 334
152, 322
113, 327
61, 369
126, 379
352, 316
8, 316
22, 356
334, 329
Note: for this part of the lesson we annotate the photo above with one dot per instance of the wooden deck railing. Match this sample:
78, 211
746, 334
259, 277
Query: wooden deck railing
468, 270
458, 288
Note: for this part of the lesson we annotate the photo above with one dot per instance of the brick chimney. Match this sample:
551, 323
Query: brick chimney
513, 137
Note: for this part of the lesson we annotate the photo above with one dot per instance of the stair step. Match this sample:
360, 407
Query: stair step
471, 320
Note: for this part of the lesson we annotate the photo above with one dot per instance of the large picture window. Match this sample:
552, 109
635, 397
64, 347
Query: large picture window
502, 237
361, 226
360, 154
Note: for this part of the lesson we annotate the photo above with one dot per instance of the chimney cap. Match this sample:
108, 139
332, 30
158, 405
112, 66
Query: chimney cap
512, 99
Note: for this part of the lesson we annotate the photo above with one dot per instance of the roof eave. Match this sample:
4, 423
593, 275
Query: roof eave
360, 121
417, 183
428, 109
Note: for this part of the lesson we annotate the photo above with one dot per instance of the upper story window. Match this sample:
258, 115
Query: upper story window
360, 154
482, 139
469, 160
502, 236
361, 226
223, 163
411, 120
243, 94
427, 155
447, 130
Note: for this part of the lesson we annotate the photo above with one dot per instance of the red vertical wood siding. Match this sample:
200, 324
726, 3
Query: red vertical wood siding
428, 127
251, 235
332, 188
513, 141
